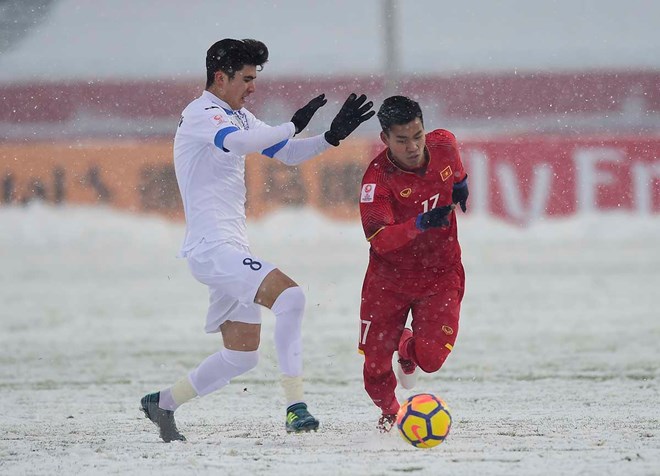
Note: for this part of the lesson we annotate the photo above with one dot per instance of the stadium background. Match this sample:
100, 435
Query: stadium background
555, 103
558, 114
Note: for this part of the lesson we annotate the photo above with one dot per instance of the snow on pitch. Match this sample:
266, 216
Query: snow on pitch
555, 370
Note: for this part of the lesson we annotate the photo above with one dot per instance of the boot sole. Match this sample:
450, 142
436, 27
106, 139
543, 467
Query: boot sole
305, 429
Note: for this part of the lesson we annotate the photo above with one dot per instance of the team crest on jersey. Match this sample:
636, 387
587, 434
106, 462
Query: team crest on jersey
367, 195
446, 173
447, 330
405, 193
217, 120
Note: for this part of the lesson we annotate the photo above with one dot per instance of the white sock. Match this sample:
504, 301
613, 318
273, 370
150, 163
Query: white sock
218, 369
288, 309
179, 393
293, 389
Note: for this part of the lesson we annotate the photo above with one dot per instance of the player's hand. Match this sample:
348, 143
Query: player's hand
460, 194
434, 218
353, 113
303, 115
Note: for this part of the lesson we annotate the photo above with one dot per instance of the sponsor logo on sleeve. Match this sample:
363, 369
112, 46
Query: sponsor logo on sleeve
446, 173
367, 195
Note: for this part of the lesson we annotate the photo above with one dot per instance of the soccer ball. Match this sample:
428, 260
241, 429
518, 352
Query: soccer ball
424, 420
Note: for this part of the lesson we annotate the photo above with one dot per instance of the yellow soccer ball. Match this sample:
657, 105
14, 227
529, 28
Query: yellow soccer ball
424, 420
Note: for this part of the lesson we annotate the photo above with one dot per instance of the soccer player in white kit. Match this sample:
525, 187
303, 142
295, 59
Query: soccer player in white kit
214, 135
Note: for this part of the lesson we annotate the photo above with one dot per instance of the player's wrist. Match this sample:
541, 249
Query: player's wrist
331, 138
420, 223
292, 128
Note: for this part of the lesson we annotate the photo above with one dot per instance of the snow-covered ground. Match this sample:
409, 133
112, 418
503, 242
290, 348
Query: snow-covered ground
555, 371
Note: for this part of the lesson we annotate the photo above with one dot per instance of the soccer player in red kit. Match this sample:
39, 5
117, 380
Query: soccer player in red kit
409, 193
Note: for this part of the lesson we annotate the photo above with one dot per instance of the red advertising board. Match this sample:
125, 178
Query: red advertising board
524, 179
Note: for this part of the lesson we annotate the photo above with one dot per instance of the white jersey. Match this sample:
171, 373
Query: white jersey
211, 178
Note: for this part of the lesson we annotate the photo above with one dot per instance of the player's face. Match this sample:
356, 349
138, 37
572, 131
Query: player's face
406, 143
234, 91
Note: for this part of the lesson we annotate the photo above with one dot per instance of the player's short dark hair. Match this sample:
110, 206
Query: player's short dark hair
230, 55
398, 110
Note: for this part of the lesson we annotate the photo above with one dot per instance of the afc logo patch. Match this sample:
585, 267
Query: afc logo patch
367, 195
446, 173
217, 120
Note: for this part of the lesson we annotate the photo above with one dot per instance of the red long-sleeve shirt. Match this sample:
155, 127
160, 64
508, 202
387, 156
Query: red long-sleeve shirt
392, 198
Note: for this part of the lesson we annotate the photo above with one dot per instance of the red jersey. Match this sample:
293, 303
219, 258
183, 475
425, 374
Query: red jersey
392, 198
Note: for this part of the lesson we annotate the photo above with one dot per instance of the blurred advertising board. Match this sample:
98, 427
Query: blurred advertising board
519, 179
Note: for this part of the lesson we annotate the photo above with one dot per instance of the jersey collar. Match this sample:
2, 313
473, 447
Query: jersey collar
218, 102
421, 171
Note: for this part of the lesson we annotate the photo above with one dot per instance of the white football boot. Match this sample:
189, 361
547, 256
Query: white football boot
406, 369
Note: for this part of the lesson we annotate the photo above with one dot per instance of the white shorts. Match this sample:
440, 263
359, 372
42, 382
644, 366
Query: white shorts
233, 276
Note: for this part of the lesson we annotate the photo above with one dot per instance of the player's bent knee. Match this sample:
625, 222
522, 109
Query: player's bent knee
431, 358
272, 287
242, 361
290, 300
218, 369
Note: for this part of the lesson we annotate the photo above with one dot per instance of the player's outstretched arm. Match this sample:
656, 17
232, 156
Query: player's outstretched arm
354, 112
263, 137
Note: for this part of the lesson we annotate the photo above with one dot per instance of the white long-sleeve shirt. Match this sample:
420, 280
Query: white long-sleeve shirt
209, 160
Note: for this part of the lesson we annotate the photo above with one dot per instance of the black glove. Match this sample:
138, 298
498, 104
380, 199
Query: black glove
303, 115
353, 113
460, 193
434, 218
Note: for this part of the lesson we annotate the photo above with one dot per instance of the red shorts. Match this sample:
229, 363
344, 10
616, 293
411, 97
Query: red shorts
434, 303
